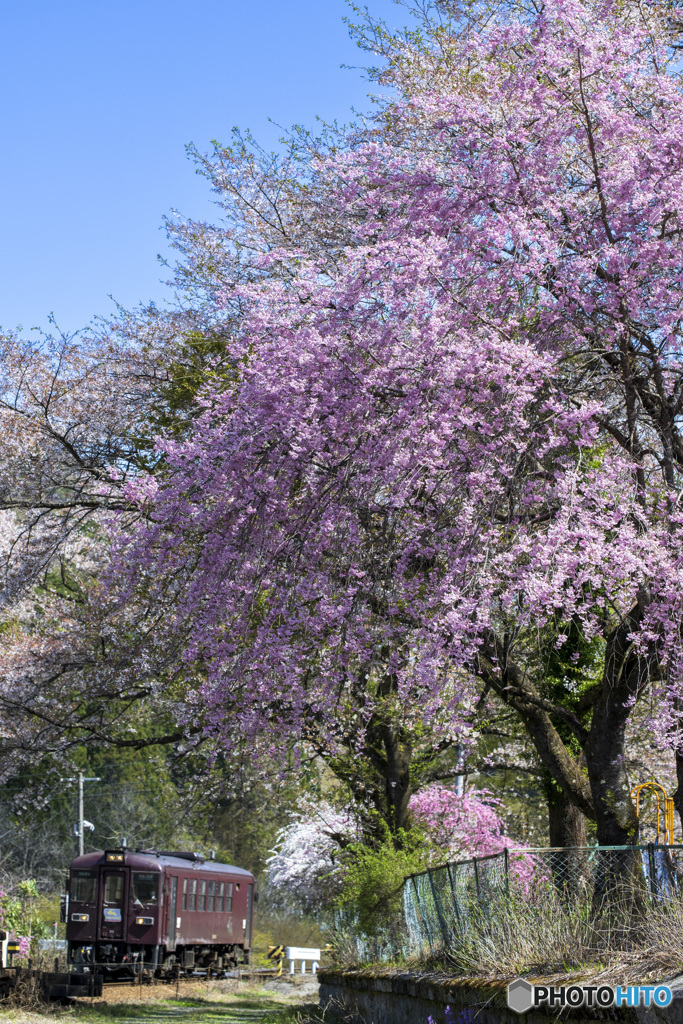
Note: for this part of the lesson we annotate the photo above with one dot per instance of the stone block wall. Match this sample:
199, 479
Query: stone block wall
372, 996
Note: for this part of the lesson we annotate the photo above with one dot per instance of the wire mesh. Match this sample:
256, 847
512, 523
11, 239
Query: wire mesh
438, 902
353, 945
442, 904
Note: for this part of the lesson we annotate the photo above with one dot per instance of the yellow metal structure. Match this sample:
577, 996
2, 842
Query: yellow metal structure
665, 804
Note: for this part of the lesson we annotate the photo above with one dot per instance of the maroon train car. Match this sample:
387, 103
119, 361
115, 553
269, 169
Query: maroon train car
161, 910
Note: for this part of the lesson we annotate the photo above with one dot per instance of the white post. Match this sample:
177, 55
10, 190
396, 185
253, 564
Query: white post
291, 967
303, 966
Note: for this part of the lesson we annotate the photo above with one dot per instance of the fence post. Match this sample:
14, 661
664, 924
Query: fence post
456, 905
424, 919
653, 870
439, 910
506, 855
476, 875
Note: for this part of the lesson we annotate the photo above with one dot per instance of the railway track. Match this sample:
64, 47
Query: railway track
185, 982
246, 974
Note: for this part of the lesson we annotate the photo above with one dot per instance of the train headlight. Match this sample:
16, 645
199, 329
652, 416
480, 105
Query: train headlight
80, 917
144, 920
114, 858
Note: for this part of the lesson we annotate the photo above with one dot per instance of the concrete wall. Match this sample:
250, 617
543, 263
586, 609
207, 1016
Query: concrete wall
392, 997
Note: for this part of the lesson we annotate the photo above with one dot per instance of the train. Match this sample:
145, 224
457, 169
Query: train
161, 912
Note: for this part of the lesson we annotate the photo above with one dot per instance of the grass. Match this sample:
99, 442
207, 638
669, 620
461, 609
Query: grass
242, 1009
627, 937
249, 1006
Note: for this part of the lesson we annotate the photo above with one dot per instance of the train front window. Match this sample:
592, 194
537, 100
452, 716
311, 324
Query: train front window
113, 888
83, 887
145, 887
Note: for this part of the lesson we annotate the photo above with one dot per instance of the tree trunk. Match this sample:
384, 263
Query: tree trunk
386, 790
567, 828
605, 794
625, 675
397, 787
615, 814
516, 690
566, 823
678, 795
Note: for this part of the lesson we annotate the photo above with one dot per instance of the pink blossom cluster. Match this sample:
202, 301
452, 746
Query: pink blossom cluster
306, 871
437, 422
463, 826
23, 940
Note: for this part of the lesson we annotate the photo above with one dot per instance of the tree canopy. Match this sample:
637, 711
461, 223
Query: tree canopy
419, 448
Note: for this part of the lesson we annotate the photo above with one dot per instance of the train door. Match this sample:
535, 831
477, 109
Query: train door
113, 905
230, 928
250, 911
172, 911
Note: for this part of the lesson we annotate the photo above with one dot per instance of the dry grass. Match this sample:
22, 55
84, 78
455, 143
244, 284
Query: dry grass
27, 995
650, 946
513, 936
221, 1003
629, 937
16, 1016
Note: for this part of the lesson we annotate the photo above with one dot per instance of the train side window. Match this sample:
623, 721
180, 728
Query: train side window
184, 894
211, 897
83, 887
201, 898
220, 886
192, 897
228, 896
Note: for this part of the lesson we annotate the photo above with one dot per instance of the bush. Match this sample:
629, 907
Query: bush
373, 882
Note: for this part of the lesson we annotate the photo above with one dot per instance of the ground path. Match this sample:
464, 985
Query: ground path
244, 1011
243, 1005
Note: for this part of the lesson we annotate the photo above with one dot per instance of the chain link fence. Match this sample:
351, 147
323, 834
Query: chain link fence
442, 904
438, 902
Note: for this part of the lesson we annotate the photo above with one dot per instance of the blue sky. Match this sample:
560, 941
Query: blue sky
98, 100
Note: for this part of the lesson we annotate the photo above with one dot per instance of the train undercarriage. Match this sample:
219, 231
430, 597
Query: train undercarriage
120, 960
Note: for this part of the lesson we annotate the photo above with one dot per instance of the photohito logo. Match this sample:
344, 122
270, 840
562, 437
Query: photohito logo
523, 996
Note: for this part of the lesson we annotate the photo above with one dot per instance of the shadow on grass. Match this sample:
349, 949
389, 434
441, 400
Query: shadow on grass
241, 1010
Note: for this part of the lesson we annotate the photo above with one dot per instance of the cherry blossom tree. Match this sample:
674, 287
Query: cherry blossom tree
463, 826
434, 461
307, 870
77, 417
453, 424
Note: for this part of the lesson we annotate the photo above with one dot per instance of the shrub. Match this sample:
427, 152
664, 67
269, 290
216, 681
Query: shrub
374, 877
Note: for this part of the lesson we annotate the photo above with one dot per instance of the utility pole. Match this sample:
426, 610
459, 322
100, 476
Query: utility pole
80, 779
81, 830
459, 784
